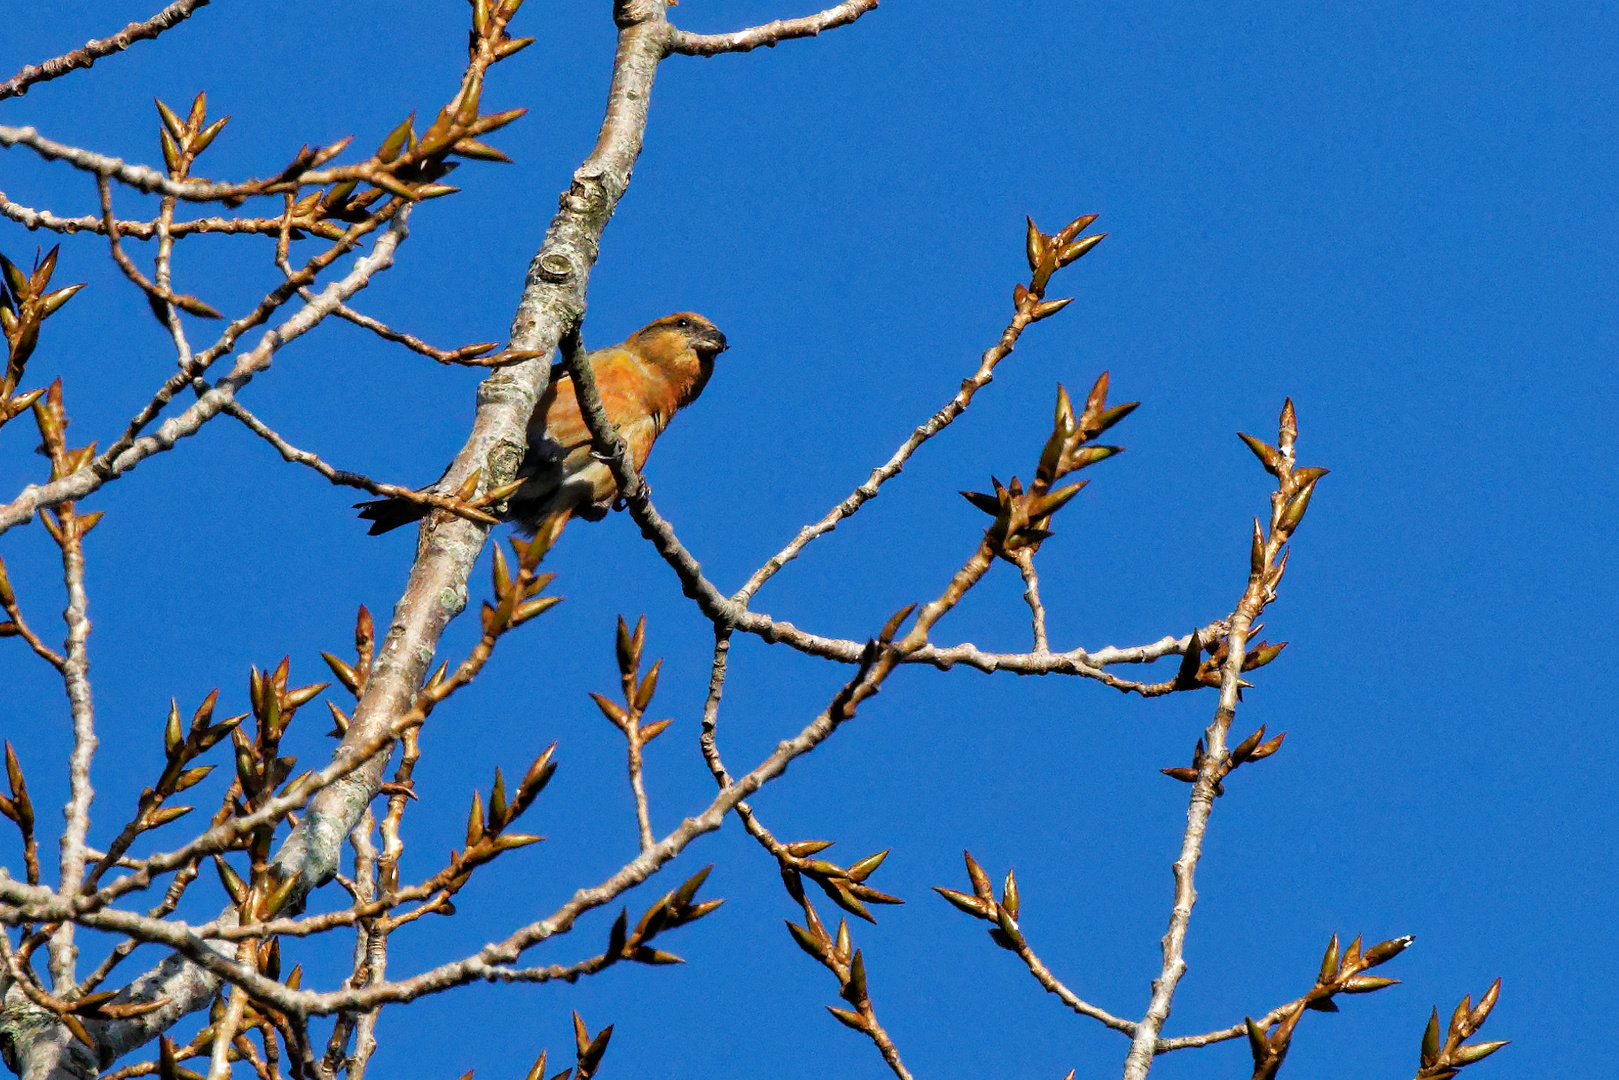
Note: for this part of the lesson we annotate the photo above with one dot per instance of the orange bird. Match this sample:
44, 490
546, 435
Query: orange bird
657, 372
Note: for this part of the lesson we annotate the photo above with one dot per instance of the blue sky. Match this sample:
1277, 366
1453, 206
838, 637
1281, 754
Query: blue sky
1401, 215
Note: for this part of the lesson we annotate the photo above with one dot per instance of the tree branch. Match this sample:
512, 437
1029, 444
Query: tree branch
94, 50
770, 34
212, 402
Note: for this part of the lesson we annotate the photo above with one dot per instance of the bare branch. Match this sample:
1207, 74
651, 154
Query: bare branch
465, 356
1266, 565
891, 468
770, 34
344, 478
1031, 593
213, 401
552, 298
76, 680
94, 50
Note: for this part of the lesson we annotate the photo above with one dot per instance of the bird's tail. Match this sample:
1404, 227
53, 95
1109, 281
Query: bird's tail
385, 515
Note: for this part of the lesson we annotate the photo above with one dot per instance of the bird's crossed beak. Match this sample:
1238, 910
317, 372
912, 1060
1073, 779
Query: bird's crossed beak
713, 341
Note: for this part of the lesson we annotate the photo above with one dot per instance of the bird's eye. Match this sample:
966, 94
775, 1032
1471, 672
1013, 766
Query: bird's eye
683, 323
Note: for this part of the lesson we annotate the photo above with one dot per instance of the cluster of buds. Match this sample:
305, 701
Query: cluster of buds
181, 747
844, 885
1023, 518
588, 1051
353, 677
837, 954
183, 142
673, 910
637, 689
1442, 1060
516, 598
405, 165
261, 771
20, 809
65, 526
1195, 671
487, 837
255, 1014
1254, 748
1047, 255
1341, 973
1294, 486
24, 305
1002, 913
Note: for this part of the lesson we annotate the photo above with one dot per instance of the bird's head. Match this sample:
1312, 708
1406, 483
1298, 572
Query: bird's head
679, 332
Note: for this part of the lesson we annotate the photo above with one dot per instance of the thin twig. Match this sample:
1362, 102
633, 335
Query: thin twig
344, 478
1031, 592
891, 468
107, 466
32, 219
770, 34
50, 655
643, 814
94, 50
466, 356
1055, 986
1266, 566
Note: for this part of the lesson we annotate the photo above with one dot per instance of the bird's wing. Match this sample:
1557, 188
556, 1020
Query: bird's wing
559, 467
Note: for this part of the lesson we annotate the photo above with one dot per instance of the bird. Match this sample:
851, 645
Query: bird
643, 382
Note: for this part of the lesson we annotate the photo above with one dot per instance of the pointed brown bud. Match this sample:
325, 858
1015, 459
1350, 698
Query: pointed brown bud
863, 869
1034, 245
1467, 1055
648, 687
1265, 452
475, 830
989, 504
980, 880
1430, 1039
1047, 308
854, 991
848, 1019
1287, 428
1329, 963
345, 674
1075, 227
1078, 249
895, 621
1476, 1018
1385, 951
613, 711
1293, 513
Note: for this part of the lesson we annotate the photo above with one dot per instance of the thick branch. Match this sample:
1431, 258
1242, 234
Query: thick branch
553, 297
76, 680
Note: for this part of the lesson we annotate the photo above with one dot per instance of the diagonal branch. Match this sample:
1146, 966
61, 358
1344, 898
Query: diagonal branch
344, 478
94, 50
770, 34
213, 401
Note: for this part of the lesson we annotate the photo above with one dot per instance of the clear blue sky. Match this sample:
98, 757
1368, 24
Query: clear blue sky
1402, 215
